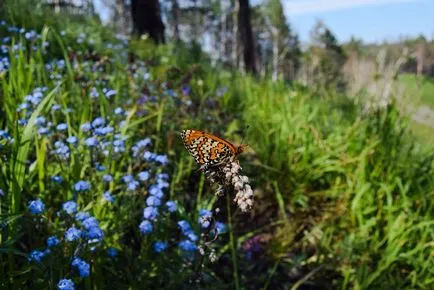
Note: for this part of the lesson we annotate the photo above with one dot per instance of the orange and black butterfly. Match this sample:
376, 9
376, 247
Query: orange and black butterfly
208, 149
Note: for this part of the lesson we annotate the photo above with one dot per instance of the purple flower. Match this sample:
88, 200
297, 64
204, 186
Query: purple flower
2, 192
52, 241
81, 266
145, 227
171, 206
70, 207
36, 206
160, 246
150, 213
65, 284
72, 234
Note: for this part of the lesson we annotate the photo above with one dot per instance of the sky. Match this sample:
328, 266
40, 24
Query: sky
370, 20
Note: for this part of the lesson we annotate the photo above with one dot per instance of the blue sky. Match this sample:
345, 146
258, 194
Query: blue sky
371, 20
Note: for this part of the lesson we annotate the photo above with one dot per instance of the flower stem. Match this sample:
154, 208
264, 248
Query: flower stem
233, 241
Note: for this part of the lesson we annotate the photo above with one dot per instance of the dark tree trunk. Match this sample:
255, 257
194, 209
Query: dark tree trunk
175, 16
146, 18
246, 34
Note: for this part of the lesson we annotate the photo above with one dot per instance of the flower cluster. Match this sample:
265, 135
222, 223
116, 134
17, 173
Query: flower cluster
228, 175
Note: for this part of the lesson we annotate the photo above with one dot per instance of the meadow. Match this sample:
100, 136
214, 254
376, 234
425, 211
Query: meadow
98, 192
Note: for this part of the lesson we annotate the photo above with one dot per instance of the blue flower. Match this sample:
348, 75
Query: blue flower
91, 142
81, 216
127, 178
160, 246
36, 256
107, 178
57, 179
171, 206
150, 213
61, 149
70, 207
2, 192
109, 93
82, 186
162, 159
43, 131
118, 111
52, 241
205, 218
72, 234
145, 227
100, 167
221, 227
131, 186
81, 266
112, 252
94, 234
156, 191
89, 223
65, 284
185, 226
98, 122
55, 107
36, 206
153, 201
86, 127
72, 140
61, 127
187, 246
108, 196
94, 93
144, 175
39, 121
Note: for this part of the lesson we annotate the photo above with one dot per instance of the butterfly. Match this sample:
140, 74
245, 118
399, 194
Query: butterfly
208, 149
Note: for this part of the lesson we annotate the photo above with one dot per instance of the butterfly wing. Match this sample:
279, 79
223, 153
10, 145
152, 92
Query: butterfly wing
207, 149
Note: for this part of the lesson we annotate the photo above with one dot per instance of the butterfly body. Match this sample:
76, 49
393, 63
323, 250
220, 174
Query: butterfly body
208, 149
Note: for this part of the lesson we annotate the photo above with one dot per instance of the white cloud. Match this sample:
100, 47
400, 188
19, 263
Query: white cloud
315, 6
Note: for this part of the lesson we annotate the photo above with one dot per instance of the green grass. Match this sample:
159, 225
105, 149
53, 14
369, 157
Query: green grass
421, 87
343, 198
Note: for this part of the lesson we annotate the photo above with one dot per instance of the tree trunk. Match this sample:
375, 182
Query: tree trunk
146, 18
235, 34
175, 20
246, 36
276, 52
